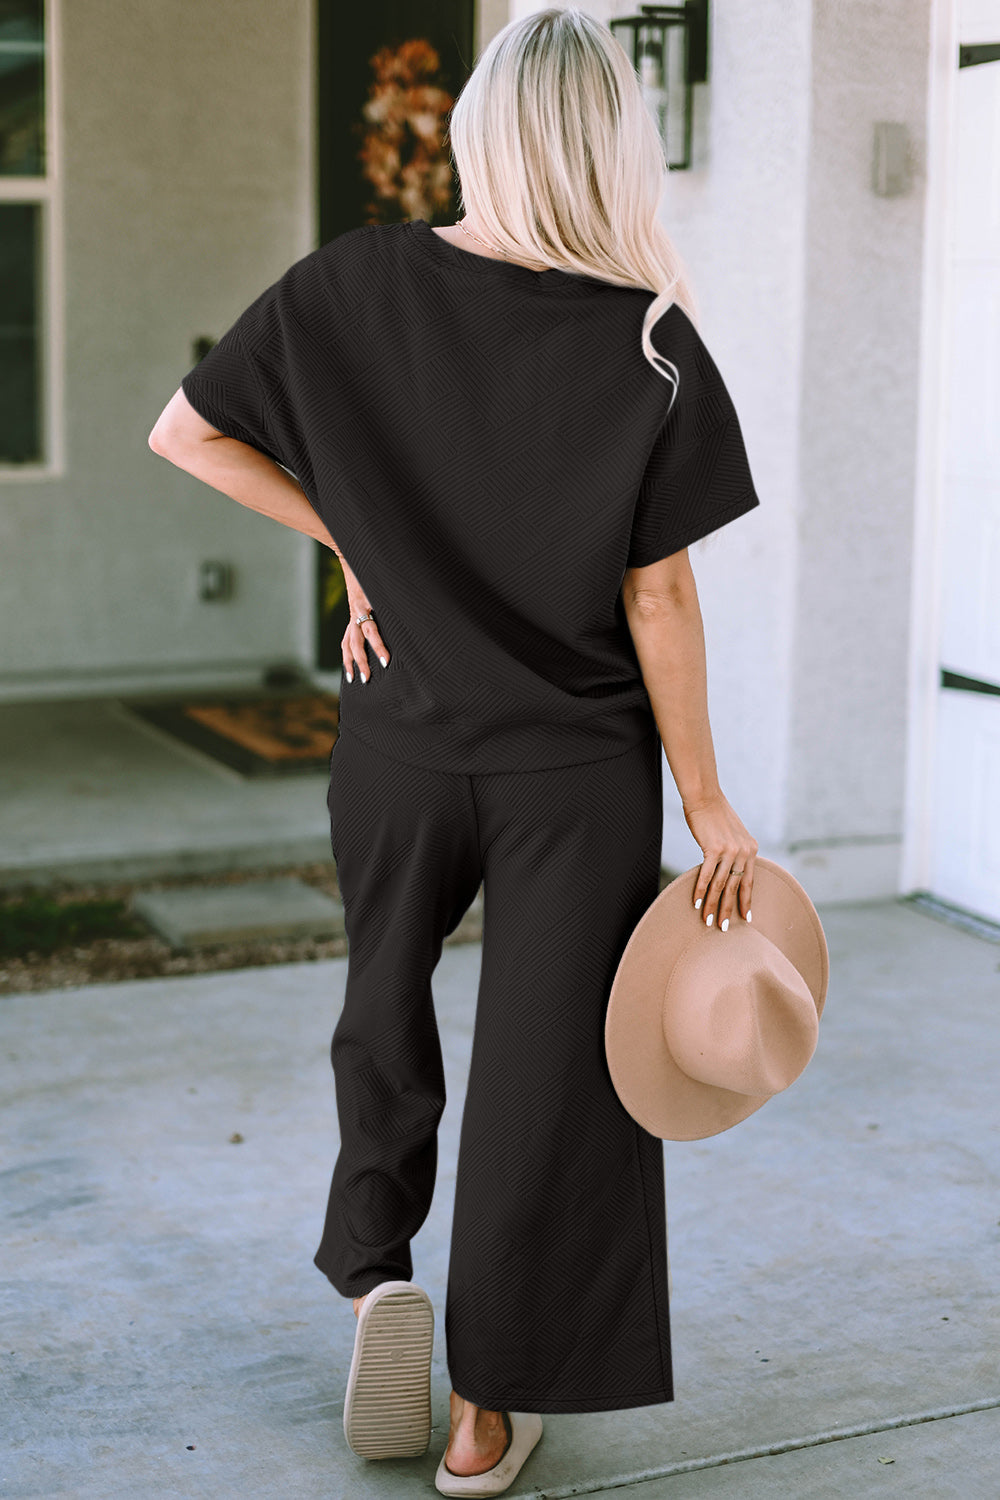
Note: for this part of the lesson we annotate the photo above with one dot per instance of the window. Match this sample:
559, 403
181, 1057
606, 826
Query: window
25, 202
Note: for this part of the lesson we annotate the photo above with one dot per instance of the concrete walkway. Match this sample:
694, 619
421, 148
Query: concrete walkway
167, 1151
94, 792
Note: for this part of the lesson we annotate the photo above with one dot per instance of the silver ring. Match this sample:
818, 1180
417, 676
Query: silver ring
360, 620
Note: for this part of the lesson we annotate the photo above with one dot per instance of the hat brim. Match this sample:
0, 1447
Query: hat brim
655, 1090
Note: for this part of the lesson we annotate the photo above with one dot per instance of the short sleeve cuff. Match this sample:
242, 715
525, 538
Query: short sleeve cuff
198, 392
694, 533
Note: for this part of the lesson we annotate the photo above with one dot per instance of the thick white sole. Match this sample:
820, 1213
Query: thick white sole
387, 1407
526, 1429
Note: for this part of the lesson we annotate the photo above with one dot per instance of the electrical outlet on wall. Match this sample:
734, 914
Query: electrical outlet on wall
215, 581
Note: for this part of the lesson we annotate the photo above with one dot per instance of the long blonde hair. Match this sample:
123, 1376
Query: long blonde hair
560, 162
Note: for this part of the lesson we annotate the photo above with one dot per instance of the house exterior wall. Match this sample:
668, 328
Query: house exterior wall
860, 396
186, 180
739, 220
810, 293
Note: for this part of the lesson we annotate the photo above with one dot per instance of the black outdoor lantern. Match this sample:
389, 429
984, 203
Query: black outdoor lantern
668, 45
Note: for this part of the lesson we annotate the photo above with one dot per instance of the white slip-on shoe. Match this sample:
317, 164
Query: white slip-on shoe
387, 1408
524, 1428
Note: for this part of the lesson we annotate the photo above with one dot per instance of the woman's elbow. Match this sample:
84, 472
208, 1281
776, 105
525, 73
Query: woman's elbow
179, 427
157, 441
166, 437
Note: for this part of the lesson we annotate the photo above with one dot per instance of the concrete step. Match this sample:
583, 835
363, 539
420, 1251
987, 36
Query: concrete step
199, 916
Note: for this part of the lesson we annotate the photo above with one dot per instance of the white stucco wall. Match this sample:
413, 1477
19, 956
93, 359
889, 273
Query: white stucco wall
738, 219
858, 449
186, 176
809, 290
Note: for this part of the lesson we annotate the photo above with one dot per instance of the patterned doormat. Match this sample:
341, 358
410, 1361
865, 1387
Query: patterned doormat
277, 735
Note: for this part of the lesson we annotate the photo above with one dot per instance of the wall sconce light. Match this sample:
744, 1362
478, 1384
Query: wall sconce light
668, 46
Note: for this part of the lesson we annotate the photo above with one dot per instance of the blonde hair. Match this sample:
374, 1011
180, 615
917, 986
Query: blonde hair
561, 164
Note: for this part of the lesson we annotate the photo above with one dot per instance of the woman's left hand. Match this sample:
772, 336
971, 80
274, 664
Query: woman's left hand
725, 880
352, 647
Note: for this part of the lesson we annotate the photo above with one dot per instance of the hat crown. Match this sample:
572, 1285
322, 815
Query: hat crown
738, 1015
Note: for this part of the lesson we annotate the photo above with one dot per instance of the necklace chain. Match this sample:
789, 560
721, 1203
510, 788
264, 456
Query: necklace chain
460, 225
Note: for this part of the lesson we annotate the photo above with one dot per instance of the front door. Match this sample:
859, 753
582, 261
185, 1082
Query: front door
395, 56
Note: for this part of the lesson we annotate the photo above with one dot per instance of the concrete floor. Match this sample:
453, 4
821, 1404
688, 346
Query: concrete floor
834, 1257
94, 792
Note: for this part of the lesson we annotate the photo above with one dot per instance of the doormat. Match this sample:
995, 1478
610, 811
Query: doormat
284, 735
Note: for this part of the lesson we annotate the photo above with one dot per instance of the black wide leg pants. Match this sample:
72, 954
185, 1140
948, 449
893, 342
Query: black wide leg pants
557, 1281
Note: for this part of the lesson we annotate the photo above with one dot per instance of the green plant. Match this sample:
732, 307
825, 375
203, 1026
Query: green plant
39, 924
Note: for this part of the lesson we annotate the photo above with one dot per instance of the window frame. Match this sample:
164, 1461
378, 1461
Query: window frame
46, 192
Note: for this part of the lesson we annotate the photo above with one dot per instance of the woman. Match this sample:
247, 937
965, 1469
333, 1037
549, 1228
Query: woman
509, 431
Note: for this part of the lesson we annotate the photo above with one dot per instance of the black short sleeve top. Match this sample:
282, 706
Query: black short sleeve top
490, 449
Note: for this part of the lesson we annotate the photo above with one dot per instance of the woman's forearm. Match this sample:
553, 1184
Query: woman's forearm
664, 616
669, 641
250, 478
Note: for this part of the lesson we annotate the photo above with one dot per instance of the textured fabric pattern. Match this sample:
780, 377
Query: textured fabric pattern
557, 1290
490, 449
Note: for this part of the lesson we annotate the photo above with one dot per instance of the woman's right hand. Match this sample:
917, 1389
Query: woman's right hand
352, 647
727, 846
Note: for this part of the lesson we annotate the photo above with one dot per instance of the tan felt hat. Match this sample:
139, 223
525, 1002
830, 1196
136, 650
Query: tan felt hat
703, 1026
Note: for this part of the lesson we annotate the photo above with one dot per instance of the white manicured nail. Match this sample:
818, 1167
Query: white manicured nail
709, 919
697, 904
725, 924
749, 916
350, 677
383, 661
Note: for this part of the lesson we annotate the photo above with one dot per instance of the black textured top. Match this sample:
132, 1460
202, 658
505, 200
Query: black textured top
490, 449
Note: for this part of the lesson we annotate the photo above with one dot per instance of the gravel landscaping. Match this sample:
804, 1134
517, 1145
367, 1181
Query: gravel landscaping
108, 959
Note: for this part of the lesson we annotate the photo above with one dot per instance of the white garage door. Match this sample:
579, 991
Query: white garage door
965, 824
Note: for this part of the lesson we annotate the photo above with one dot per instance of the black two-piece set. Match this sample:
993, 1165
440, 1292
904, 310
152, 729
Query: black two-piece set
490, 449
